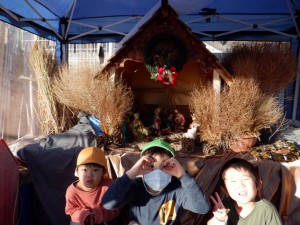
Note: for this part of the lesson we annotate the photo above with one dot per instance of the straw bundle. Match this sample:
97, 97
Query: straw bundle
87, 90
272, 65
51, 115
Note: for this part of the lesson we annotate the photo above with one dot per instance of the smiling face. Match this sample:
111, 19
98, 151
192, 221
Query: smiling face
241, 186
89, 176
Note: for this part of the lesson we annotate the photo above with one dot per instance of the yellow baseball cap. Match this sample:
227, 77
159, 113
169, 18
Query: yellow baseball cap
92, 155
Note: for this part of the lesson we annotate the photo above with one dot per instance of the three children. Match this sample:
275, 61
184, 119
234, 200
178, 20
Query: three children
157, 188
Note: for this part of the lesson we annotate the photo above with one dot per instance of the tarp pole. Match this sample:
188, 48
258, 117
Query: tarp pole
61, 50
293, 17
58, 56
64, 51
296, 106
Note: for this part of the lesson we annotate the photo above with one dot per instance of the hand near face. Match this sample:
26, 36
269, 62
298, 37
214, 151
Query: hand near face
173, 167
219, 211
142, 166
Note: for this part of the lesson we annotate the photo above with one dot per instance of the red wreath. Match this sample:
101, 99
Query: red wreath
167, 76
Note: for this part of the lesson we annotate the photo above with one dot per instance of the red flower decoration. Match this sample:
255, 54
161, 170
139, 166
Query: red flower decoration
167, 76
160, 70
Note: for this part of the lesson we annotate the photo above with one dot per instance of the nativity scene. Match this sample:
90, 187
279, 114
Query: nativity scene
163, 83
162, 80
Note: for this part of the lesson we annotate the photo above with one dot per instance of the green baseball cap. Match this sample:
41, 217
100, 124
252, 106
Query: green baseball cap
158, 143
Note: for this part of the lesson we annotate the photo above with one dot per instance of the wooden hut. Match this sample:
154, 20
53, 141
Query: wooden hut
162, 39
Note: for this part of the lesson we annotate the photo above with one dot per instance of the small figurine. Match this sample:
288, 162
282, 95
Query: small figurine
155, 128
156, 114
193, 123
179, 121
170, 122
169, 126
139, 131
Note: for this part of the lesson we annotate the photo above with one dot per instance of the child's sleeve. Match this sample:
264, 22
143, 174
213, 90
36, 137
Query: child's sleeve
192, 197
104, 215
77, 214
118, 194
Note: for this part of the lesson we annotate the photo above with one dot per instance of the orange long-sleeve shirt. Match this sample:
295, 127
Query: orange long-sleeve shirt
79, 204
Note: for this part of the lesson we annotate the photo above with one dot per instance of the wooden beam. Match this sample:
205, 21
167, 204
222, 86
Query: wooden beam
164, 8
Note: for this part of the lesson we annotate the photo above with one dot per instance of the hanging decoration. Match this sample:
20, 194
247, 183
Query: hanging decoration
164, 57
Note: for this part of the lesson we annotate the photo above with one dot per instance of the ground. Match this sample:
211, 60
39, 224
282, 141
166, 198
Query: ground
291, 133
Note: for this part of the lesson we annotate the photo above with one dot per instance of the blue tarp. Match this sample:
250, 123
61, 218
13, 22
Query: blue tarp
76, 21
89, 21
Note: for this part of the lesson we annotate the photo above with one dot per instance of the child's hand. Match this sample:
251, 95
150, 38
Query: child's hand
142, 166
219, 210
173, 167
90, 219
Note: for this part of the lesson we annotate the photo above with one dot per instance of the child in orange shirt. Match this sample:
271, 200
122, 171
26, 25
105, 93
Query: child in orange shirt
83, 197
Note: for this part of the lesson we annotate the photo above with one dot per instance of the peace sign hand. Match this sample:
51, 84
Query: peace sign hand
219, 210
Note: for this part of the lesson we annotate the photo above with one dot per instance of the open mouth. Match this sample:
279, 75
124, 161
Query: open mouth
242, 193
89, 182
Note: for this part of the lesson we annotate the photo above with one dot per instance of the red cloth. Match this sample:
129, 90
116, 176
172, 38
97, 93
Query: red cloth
81, 204
9, 173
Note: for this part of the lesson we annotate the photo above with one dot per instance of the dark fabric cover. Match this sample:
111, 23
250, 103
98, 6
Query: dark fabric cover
52, 163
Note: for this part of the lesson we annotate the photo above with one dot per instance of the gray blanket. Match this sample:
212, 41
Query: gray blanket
52, 163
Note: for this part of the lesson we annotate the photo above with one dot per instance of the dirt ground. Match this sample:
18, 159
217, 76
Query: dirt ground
291, 133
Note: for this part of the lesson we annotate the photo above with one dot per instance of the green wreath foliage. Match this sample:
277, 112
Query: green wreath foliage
164, 50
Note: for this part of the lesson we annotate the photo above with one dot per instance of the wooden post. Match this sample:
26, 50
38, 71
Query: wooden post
217, 91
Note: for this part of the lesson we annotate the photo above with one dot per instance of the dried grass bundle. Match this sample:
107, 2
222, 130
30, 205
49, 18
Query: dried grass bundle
202, 107
268, 112
272, 65
97, 94
237, 109
51, 115
243, 110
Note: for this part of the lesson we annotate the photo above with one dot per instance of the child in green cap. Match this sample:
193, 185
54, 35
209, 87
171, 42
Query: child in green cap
156, 188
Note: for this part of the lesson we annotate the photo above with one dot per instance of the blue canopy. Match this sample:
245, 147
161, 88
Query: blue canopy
86, 21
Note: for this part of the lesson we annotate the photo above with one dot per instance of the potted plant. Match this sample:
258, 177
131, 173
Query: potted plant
243, 111
248, 105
